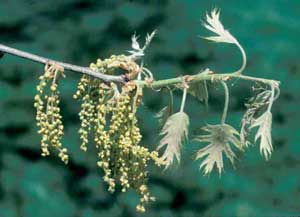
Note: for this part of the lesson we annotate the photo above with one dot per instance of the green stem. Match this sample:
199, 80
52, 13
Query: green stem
273, 96
202, 77
239, 72
183, 99
226, 102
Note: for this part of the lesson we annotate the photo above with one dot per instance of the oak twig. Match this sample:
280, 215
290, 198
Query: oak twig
122, 79
67, 66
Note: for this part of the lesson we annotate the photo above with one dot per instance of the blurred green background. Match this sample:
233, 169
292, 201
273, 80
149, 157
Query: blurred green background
80, 31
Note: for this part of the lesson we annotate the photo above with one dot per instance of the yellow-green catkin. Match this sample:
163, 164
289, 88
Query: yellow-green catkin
102, 139
111, 118
49, 119
85, 92
130, 158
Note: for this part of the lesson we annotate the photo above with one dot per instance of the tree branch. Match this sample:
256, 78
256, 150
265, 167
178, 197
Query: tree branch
121, 79
67, 66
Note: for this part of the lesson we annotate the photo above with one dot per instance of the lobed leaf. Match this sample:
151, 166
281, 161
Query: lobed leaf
219, 138
254, 117
138, 51
214, 24
174, 132
264, 124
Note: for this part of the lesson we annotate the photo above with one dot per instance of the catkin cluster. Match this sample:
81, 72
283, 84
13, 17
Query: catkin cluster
110, 117
130, 159
86, 88
49, 119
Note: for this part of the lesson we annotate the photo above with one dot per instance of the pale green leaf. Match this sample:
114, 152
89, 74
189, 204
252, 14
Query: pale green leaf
174, 132
264, 124
219, 138
214, 24
255, 118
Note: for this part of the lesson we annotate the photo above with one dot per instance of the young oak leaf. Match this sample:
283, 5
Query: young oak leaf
138, 51
214, 24
219, 137
254, 106
174, 132
264, 124
135, 44
164, 114
199, 89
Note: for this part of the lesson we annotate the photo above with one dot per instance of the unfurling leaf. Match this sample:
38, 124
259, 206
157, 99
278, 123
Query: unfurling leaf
138, 51
214, 24
149, 38
135, 44
255, 118
264, 124
219, 138
174, 132
199, 90
255, 106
